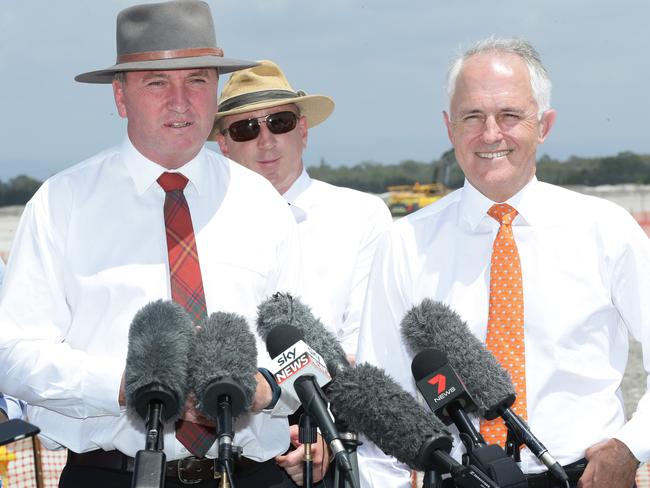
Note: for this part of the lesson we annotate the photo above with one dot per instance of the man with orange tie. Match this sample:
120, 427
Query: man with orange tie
155, 217
552, 281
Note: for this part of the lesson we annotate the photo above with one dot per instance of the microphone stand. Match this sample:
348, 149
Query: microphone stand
225, 435
490, 459
307, 435
432, 479
315, 403
149, 469
350, 442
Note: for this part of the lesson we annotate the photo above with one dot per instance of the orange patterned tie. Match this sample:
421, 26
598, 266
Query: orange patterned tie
505, 331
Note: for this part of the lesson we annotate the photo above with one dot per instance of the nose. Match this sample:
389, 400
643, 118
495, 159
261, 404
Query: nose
266, 138
178, 98
491, 131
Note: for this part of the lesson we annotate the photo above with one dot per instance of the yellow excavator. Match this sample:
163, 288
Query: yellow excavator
404, 199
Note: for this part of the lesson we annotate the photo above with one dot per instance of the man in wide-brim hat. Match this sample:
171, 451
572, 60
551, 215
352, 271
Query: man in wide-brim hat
155, 217
263, 124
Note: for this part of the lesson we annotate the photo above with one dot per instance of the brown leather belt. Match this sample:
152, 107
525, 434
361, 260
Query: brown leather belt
188, 470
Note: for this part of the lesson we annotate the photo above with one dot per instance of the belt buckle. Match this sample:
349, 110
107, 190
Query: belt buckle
181, 467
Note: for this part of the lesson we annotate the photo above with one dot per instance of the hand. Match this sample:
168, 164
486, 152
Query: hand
3, 416
263, 394
610, 463
192, 414
292, 462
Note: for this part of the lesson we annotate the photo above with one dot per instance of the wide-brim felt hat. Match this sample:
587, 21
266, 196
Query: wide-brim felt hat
165, 36
266, 86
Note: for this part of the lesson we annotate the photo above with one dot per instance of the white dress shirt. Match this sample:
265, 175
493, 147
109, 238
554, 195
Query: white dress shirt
90, 251
586, 279
339, 229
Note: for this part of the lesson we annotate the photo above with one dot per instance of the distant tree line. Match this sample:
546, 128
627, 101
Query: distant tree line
18, 190
374, 177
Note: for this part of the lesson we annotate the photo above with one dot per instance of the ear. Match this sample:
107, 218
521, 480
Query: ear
302, 127
118, 94
223, 145
545, 124
447, 120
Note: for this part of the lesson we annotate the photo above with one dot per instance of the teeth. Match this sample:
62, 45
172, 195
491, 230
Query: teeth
493, 155
178, 125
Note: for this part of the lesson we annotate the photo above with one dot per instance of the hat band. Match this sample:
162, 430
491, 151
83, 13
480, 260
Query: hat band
255, 97
178, 53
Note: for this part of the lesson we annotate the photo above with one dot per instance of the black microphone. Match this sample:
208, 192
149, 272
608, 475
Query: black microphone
306, 386
445, 394
293, 359
368, 398
434, 324
222, 369
155, 380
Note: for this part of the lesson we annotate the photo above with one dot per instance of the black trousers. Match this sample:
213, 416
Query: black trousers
268, 475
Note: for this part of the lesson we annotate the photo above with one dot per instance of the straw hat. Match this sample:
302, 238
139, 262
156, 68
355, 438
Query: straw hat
163, 36
265, 86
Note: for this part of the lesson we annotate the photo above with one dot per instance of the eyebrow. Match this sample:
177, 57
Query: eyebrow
162, 74
475, 111
149, 76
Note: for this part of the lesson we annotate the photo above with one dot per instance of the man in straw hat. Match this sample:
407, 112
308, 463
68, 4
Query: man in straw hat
262, 124
155, 217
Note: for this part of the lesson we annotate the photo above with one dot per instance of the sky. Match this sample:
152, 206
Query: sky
383, 62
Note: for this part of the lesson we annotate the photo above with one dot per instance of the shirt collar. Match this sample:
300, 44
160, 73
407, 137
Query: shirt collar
292, 196
474, 205
145, 172
299, 186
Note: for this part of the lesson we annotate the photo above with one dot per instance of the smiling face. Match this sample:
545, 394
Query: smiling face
170, 113
493, 124
277, 157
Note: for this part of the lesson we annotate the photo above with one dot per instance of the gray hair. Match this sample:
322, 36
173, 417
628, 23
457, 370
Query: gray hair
539, 79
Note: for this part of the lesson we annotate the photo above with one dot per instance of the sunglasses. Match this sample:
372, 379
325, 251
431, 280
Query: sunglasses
249, 129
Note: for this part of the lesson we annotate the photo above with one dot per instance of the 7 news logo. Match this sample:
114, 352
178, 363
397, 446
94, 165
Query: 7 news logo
440, 381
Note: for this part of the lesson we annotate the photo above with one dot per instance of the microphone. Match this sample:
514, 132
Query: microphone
222, 368
155, 382
302, 378
292, 359
157, 360
445, 394
366, 397
434, 324
282, 308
